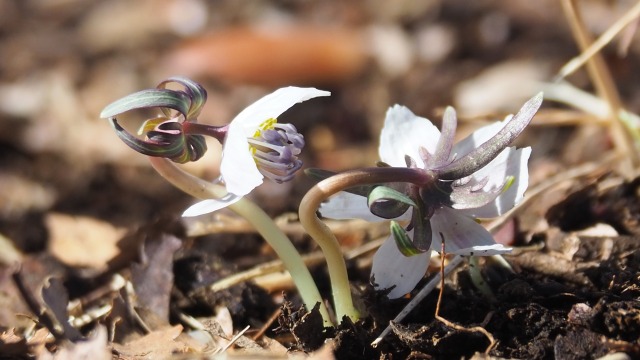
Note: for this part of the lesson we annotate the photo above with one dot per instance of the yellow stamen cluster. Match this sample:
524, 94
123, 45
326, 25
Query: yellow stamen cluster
265, 125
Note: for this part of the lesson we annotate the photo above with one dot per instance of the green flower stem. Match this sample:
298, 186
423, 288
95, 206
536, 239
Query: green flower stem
265, 226
324, 237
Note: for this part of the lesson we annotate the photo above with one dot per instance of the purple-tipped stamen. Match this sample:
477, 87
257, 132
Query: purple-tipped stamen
275, 151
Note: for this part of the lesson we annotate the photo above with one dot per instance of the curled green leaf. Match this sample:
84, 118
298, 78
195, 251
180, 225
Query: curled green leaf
150, 124
387, 202
150, 148
149, 98
387, 193
196, 93
402, 239
166, 140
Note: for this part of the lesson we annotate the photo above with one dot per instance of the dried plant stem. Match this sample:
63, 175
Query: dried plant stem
480, 329
605, 86
321, 233
260, 271
265, 226
574, 64
271, 267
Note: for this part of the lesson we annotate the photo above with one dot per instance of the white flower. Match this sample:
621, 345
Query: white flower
256, 146
469, 182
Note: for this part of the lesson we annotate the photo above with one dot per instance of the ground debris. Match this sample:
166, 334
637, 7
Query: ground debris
152, 278
303, 326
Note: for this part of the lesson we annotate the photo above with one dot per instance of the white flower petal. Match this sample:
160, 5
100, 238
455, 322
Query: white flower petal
273, 105
403, 134
510, 162
238, 169
461, 233
391, 268
345, 206
484, 250
210, 205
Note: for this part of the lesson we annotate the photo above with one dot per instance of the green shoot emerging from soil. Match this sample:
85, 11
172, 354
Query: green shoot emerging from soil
254, 146
435, 188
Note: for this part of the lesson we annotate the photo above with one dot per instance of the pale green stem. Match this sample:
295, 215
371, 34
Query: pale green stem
478, 280
324, 237
265, 226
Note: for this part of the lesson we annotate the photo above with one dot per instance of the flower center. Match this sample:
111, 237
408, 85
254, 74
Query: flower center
275, 148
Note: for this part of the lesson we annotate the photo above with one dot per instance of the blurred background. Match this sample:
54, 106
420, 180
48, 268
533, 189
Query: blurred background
62, 61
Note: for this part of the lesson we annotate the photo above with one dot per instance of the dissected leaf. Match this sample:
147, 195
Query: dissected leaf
447, 137
487, 151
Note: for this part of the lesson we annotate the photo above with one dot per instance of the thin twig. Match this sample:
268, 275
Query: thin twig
605, 87
311, 260
227, 224
480, 329
235, 338
267, 324
574, 64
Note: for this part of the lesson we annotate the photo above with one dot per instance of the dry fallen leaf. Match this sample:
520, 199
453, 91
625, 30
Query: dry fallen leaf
153, 277
14, 342
272, 56
159, 344
82, 241
21, 194
94, 348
